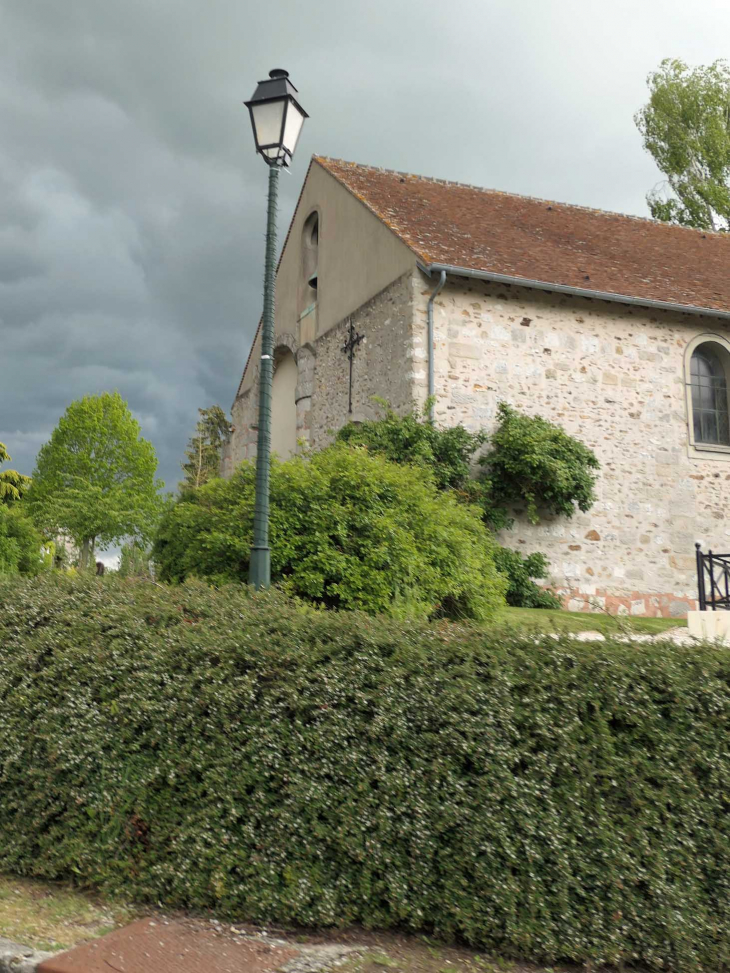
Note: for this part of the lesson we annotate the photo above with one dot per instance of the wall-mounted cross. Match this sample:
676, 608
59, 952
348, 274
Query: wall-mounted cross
353, 340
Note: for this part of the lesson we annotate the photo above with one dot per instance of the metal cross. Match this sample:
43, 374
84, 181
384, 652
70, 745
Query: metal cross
353, 340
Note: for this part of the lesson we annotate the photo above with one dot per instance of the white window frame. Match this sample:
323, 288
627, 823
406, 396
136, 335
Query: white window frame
705, 450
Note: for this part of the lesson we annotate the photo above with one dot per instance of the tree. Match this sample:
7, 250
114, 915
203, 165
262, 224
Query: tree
134, 561
349, 530
95, 479
13, 485
686, 127
203, 454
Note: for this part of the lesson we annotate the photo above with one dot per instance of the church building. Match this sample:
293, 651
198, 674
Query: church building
617, 328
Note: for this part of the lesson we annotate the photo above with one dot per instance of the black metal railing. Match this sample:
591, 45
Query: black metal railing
713, 580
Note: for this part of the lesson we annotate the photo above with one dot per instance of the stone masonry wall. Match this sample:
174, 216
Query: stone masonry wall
613, 376
383, 366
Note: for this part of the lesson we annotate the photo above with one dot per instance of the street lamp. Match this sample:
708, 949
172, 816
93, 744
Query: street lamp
276, 119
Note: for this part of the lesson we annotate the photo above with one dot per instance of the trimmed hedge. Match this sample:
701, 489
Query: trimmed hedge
217, 749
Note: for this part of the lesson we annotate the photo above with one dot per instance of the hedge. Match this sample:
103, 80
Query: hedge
204, 748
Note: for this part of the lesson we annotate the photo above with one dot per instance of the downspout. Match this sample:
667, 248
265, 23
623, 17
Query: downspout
431, 352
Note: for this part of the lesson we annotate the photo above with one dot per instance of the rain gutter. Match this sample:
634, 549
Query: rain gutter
431, 350
542, 285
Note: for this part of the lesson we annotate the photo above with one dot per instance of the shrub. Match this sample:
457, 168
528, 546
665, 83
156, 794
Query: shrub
348, 530
537, 463
531, 461
21, 546
522, 592
213, 749
446, 453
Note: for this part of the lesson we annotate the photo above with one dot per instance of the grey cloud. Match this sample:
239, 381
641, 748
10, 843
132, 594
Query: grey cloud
132, 204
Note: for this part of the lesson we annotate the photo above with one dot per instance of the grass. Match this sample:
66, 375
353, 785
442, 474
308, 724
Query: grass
54, 917
540, 620
419, 955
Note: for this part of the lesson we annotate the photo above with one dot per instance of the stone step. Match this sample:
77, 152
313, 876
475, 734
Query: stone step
174, 946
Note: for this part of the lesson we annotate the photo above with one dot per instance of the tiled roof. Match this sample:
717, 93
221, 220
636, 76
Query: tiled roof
537, 240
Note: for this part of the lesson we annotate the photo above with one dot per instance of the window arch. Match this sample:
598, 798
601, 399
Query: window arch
708, 402
283, 404
309, 288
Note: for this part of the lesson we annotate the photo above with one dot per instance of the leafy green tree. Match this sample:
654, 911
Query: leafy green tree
203, 454
686, 128
348, 530
13, 485
134, 560
95, 479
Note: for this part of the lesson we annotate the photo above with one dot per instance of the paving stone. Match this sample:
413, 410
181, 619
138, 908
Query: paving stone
150, 946
19, 959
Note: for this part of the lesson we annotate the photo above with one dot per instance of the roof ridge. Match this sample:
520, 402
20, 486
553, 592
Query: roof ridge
502, 192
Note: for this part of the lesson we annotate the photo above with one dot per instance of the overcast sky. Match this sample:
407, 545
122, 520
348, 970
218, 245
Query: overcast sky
132, 205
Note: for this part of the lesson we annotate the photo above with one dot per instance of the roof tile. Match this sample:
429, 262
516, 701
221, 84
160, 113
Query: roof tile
539, 240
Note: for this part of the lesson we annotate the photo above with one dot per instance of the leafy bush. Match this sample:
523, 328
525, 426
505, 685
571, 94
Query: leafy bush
208, 748
522, 592
531, 461
537, 463
21, 546
348, 530
446, 453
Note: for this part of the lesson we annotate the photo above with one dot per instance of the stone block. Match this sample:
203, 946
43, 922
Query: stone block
460, 349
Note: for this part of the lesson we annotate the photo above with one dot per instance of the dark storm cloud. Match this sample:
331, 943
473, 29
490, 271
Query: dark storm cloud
132, 205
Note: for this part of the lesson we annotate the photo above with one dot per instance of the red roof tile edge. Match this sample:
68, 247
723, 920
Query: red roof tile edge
331, 166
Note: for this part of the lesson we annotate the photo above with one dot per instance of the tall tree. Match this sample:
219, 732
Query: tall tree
13, 485
203, 454
686, 127
95, 479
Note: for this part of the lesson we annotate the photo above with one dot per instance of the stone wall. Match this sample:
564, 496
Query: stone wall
613, 376
383, 367
383, 363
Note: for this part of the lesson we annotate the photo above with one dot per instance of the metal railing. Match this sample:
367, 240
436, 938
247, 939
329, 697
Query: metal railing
713, 580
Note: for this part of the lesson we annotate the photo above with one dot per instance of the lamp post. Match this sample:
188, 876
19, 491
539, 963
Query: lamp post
276, 119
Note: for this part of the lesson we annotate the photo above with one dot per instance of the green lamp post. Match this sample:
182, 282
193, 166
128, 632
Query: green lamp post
277, 119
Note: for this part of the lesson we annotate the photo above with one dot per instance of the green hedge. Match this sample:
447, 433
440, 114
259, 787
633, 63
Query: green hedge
210, 748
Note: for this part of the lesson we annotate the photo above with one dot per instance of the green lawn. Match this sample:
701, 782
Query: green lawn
549, 620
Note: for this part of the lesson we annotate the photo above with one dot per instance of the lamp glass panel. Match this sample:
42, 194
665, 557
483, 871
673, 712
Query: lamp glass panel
267, 118
292, 128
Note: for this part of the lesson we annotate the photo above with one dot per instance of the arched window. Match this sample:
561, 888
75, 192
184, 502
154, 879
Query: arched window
709, 367
309, 288
283, 404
